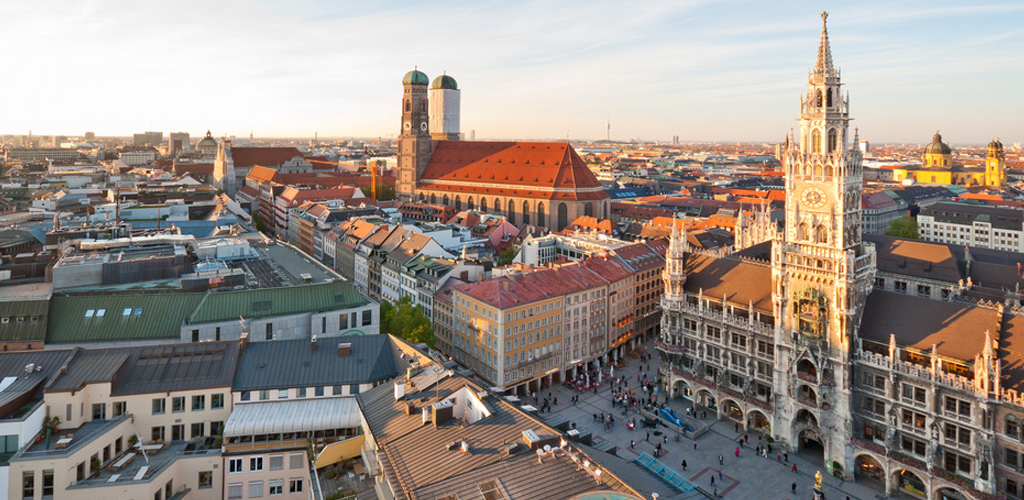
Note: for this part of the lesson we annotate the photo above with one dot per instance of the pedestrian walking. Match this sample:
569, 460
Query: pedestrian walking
665, 438
794, 468
648, 438
721, 460
744, 436
712, 480
737, 452
695, 444
684, 465
631, 443
704, 415
735, 427
719, 473
757, 450
779, 457
793, 489
785, 456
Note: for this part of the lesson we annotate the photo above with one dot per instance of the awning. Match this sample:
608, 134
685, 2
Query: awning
302, 415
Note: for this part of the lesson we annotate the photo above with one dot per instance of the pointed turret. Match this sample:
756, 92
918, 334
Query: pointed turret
824, 67
675, 267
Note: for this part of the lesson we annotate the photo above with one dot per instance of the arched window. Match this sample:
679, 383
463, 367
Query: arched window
526, 212
588, 209
832, 137
821, 234
803, 232
469, 203
483, 204
816, 141
433, 199
818, 99
817, 171
446, 200
542, 219
828, 171
828, 98
458, 202
497, 206
511, 212
408, 106
563, 216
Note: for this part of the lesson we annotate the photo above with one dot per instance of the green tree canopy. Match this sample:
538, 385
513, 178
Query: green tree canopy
406, 320
904, 227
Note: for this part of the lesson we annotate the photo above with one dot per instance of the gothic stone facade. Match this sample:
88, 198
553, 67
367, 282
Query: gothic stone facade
797, 339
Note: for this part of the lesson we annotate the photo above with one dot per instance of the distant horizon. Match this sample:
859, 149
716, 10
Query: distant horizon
195, 138
702, 71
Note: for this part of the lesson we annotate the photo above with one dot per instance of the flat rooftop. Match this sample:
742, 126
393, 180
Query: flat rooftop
79, 438
132, 464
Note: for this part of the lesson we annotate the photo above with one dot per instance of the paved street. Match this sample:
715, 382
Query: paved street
744, 477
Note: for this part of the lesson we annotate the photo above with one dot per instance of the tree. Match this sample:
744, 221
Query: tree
507, 255
384, 192
406, 320
258, 222
904, 227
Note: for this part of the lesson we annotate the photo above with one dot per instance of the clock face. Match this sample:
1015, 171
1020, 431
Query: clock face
814, 197
423, 126
407, 125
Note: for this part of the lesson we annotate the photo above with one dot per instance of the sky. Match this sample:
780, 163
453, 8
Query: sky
703, 70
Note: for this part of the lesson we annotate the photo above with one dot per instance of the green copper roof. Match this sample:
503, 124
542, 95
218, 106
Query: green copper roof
415, 77
445, 82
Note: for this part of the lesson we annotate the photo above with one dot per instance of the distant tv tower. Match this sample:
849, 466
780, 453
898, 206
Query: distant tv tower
608, 135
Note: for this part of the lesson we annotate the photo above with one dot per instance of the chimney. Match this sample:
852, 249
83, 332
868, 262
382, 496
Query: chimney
243, 341
312, 343
344, 349
399, 390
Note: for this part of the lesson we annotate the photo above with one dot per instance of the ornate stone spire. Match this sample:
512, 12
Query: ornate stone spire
824, 64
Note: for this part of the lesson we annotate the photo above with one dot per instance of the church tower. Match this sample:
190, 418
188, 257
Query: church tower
444, 109
995, 165
674, 274
414, 144
821, 270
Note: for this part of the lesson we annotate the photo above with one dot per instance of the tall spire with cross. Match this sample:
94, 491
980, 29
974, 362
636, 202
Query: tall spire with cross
824, 65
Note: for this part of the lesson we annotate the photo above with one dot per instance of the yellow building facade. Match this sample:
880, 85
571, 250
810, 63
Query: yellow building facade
937, 167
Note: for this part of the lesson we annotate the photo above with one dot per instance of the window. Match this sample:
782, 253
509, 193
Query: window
900, 286
246, 396
234, 465
1012, 427
915, 446
47, 482
216, 428
282, 394
178, 404
296, 461
276, 487
99, 411
367, 317
28, 484
177, 432
924, 291
120, 408
957, 463
295, 485
255, 464
874, 407
157, 433
198, 403
264, 395
197, 429
1012, 488
234, 491
159, 406
255, 489
958, 407
217, 401
276, 462
354, 388
336, 390
1012, 458
912, 393
205, 479
318, 392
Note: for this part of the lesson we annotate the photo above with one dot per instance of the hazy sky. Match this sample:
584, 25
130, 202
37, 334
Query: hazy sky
703, 70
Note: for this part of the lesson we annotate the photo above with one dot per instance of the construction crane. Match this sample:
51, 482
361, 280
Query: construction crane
373, 175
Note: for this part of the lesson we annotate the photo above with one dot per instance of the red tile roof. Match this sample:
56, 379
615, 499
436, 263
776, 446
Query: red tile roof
585, 222
295, 196
272, 156
194, 169
532, 286
261, 174
527, 169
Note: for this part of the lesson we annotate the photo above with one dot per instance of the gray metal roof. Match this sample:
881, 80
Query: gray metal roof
300, 415
158, 368
15, 364
283, 364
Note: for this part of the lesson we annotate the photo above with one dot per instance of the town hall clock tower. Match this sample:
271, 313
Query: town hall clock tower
822, 271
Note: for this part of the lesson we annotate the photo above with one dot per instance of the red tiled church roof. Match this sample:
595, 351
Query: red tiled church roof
525, 169
271, 156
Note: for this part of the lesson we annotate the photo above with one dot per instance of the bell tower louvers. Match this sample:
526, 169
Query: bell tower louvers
821, 269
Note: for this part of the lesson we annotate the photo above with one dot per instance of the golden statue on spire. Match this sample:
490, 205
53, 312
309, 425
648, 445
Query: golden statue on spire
824, 16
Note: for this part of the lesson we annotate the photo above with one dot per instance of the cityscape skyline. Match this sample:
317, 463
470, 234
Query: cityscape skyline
704, 72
